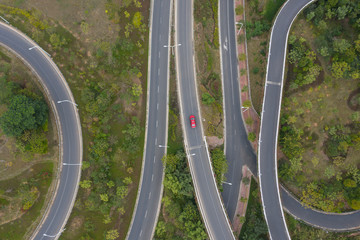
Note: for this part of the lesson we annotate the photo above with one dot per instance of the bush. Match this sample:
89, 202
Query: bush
219, 164
239, 10
207, 99
252, 137
246, 104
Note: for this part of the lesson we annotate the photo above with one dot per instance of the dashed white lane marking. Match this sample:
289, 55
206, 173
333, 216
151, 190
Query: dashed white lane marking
149, 195
155, 141
157, 106
140, 233
273, 83
146, 213
195, 147
158, 88
157, 123
154, 158
152, 177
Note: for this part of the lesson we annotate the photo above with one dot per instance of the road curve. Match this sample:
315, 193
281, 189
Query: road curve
150, 190
238, 150
68, 123
207, 195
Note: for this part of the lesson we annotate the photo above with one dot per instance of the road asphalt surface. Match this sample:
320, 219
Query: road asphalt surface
149, 200
57, 90
207, 195
238, 150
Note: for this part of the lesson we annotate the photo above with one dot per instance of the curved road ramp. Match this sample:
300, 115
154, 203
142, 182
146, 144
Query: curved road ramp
267, 161
68, 124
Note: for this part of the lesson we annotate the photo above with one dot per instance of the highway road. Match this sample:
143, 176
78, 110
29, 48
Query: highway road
150, 189
238, 150
68, 124
267, 157
207, 195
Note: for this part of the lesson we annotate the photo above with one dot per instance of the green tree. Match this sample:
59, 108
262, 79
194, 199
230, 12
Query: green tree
136, 91
57, 41
329, 172
7, 89
219, 164
85, 184
137, 19
341, 45
349, 183
112, 234
23, 113
338, 69
104, 197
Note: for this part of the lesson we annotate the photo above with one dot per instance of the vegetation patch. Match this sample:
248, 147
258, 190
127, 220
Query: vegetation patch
208, 65
320, 128
22, 199
259, 19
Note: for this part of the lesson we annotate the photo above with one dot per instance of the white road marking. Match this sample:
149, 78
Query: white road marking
152, 177
149, 195
225, 44
140, 233
159, 54
146, 214
154, 159
155, 141
157, 106
273, 83
157, 123
158, 71
158, 88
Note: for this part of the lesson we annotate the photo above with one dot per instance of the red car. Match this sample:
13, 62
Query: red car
192, 121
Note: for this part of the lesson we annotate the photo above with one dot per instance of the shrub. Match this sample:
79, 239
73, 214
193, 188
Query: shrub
207, 99
239, 10
252, 137
246, 104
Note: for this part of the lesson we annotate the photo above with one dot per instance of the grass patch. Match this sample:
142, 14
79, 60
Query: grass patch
259, 17
16, 190
322, 166
208, 65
